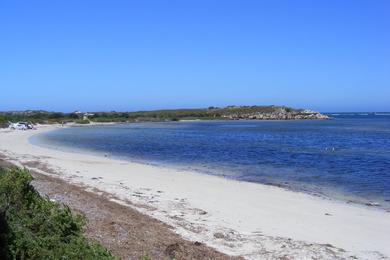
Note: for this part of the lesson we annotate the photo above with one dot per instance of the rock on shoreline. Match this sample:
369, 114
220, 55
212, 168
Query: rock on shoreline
280, 113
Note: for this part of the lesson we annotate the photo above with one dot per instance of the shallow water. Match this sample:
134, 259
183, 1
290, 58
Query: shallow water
345, 158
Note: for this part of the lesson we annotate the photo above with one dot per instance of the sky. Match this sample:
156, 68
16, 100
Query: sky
330, 55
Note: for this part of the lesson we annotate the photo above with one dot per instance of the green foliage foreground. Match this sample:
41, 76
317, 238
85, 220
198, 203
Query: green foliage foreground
32, 227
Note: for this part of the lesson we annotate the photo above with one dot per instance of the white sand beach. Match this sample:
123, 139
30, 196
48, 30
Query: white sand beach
238, 218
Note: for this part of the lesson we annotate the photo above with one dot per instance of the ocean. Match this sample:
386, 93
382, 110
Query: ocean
345, 158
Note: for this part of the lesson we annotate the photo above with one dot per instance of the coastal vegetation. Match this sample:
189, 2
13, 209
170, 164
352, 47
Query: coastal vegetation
229, 112
33, 227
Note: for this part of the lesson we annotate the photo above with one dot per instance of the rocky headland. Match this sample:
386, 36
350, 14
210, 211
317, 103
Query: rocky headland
272, 113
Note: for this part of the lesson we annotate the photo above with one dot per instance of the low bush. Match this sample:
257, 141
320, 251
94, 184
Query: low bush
33, 227
82, 121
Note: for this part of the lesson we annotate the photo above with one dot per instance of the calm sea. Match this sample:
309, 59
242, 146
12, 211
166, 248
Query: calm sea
345, 158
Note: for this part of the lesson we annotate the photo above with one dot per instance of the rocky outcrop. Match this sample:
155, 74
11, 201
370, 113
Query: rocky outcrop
279, 113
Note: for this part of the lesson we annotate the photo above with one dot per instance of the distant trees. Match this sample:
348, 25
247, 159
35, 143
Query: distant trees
73, 116
156, 115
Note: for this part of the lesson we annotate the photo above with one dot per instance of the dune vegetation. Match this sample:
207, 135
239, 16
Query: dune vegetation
34, 227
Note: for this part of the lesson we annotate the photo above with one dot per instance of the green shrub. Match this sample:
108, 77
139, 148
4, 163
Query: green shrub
32, 227
82, 121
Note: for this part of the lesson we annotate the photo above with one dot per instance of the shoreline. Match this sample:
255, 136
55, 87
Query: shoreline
120, 228
236, 218
327, 193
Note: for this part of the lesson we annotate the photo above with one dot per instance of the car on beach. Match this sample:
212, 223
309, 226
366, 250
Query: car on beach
20, 126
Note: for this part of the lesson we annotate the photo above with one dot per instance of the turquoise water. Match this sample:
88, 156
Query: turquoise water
346, 158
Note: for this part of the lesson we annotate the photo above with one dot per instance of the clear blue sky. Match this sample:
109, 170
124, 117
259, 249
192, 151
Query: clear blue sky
131, 55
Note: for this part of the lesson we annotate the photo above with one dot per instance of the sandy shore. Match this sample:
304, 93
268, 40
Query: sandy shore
127, 233
237, 218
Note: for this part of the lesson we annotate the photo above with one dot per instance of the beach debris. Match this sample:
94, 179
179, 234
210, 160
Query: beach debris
202, 212
173, 250
328, 214
327, 245
372, 204
219, 235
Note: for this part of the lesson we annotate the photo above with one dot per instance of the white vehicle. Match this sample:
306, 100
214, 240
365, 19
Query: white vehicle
20, 126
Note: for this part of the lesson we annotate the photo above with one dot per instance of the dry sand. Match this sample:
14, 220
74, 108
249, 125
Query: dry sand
237, 218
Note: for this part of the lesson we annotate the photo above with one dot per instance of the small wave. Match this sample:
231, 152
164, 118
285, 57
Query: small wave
382, 114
